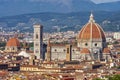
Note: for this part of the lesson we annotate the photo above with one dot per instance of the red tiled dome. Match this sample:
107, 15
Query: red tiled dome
85, 51
91, 31
13, 42
106, 50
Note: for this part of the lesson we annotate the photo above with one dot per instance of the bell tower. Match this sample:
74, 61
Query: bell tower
38, 41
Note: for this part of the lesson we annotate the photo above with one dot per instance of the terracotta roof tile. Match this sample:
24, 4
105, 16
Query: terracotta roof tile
13, 42
91, 30
85, 51
106, 50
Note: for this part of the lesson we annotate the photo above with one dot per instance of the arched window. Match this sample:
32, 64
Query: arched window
37, 51
86, 44
64, 50
36, 44
67, 50
73, 50
55, 50
36, 36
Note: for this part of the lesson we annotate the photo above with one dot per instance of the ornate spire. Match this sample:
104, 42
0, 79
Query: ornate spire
91, 18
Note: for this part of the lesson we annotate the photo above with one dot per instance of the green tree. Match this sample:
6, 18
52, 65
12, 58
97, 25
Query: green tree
2, 44
98, 79
31, 44
116, 42
114, 77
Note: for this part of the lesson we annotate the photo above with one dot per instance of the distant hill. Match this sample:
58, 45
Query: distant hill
15, 7
52, 22
111, 6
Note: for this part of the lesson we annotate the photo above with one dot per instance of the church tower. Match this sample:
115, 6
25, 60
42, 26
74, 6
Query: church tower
38, 41
48, 51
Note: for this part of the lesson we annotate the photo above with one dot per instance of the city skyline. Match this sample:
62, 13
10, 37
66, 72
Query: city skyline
59, 40
67, 55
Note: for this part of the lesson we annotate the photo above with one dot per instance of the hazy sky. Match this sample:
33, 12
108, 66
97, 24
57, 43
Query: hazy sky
102, 1
96, 1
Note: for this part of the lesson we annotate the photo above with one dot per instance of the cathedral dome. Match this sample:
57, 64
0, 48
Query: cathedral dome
85, 51
91, 31
13, 42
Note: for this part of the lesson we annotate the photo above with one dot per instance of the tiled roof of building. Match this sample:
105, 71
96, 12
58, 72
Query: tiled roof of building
106, 50
13, 42
91, 31
85, 51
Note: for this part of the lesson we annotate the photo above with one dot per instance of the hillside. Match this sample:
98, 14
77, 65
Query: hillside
111, 6
15, 7
53, 22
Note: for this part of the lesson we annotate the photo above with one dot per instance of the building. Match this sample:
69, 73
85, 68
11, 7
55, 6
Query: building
92, 37
13, 45
91, 42
116, 35
107, 55
38, 41
24, 54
